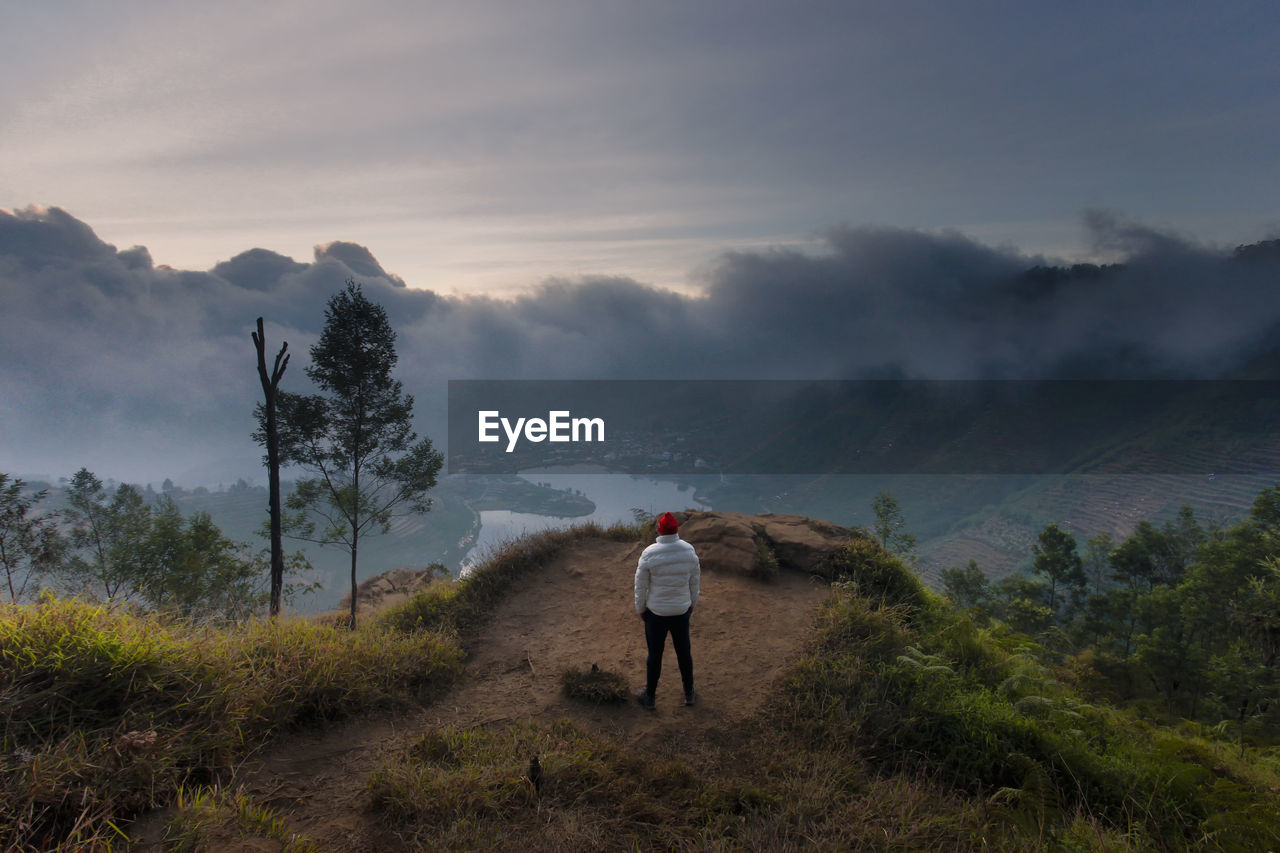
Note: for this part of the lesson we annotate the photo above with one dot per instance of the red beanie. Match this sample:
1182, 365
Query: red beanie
667, 524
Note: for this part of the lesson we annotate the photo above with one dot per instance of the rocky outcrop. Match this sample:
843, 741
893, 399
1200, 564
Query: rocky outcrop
391, 587
759, 545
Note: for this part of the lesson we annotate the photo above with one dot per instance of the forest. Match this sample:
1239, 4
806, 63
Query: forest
1180, 619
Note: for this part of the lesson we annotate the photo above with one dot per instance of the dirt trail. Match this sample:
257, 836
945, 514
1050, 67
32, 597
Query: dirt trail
576, 611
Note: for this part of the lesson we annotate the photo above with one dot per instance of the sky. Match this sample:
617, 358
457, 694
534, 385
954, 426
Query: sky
483, 147
606, 189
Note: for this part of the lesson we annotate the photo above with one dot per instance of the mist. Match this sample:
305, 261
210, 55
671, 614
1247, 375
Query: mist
142, 372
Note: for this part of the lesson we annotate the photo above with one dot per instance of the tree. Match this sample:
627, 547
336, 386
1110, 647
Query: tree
1097, 551
1020, 602
889, 526
30, 544
1056, 559
189, 568
109, 532
967, 587
269, 436
356, 437
153, 556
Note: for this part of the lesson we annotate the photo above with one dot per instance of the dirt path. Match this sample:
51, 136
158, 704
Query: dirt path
576, 611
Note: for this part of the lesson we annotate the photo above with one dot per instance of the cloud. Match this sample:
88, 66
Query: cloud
135, 370
257, 269
356, 258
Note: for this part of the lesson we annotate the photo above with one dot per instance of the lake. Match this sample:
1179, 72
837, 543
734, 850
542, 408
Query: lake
614, 495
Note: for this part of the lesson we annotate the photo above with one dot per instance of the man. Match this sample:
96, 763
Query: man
667, 580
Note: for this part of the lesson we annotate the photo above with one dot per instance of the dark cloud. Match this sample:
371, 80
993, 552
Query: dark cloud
38, 237
108, 361
257, 269
356, 258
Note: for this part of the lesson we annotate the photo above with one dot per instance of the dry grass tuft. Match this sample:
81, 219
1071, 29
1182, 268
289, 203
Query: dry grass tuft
595, 686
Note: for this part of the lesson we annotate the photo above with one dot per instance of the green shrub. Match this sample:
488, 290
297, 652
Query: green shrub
765, 566
867, 568
994, 719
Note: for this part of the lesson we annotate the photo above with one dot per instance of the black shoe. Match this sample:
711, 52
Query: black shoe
645, 700
691, 698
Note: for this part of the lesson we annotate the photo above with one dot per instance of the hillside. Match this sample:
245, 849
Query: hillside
574, 611
843, 706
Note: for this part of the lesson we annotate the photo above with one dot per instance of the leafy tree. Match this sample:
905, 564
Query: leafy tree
30, 544
191, 569
1259, 536
1169, 653
356, 437
109, 533
1242, 673
1122, 609
1056, 559
1092, 620
1097, 551
1020, 601
1134, 561
889, 526
1183, 537
967, 587
151, 555
1152, 556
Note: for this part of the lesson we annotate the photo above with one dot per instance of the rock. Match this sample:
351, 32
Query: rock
803, 543
734, 542
390, 587
725, 543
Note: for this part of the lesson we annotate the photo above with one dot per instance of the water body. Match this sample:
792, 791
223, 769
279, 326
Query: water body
615, 496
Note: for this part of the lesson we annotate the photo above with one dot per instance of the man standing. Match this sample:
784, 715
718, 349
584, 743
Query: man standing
667, 580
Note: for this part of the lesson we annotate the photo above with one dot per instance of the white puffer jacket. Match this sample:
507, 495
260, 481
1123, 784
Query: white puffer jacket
668, 577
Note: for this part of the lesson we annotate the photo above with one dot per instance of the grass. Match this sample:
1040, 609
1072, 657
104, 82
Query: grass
205, 816
104, 715
902, 726
458, 789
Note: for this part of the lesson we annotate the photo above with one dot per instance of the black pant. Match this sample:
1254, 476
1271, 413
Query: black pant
655, 635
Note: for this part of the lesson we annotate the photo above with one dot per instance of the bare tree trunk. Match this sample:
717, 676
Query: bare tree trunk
269, 385
353, 581
355, 538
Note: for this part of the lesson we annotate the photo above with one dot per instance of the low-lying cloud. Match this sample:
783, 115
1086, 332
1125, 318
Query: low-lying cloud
136, 370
